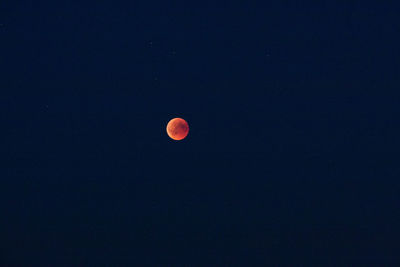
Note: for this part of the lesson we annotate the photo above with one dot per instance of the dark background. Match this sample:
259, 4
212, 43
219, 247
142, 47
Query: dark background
293, 150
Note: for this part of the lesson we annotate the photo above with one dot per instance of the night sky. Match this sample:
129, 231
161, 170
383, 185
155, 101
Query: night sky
292, 156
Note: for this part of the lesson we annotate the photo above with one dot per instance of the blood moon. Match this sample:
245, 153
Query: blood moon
177, 128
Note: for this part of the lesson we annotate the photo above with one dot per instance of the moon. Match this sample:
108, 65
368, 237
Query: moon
177, 128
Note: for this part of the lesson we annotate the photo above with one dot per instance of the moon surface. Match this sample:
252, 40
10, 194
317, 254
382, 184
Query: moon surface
177, 128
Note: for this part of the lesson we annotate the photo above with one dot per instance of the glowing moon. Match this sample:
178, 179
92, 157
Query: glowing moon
177, 129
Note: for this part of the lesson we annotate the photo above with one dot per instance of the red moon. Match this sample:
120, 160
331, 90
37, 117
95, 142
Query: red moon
177, 128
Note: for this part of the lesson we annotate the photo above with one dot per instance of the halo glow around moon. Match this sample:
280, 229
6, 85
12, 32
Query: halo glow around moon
177, 128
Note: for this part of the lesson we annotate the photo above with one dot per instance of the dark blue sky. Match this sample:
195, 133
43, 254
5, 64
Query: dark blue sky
293, 150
